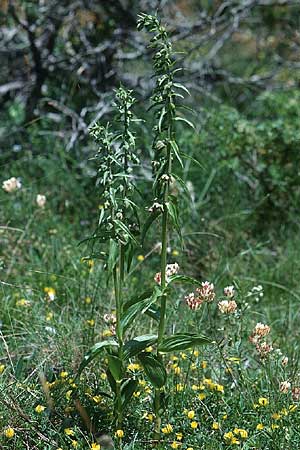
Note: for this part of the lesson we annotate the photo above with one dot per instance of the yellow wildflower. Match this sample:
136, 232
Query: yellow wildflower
40, 408
260, 426
167, 429
215, 426
9, 432
74, 443
95, 446
194, 425
201, 396
191, 414
63, 374
204, 364
88, 300
2, 368
140, 258
179, 387
175, 444
120, 434
90, 322
263, 401
69, 432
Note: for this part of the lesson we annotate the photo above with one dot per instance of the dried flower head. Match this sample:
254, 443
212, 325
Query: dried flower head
206, 293
261, 330
41, 200
12, 184
192, 301
285, 386
284, 361
229, 291
296, 393
263, 349
227, 306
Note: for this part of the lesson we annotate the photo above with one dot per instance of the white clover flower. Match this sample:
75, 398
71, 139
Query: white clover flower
285, 386
41, 200
227, 306
229, 291
12, 184
206, 293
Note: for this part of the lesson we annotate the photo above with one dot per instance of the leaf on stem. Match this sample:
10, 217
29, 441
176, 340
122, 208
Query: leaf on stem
182, 341
154, 369
95, 351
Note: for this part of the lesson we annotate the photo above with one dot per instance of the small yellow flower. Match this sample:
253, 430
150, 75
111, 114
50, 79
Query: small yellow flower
175, 252
95, 446
177, 370
179, 436
201, 396
137, 394
149, 349
195, 387
292, 408
194, 425
69, 432
103, 376
196, 353
22, 302
191, 414
9, 432
260, 426
190, 448
88, 300
63, 374
215, 426
133, 367
74, 443
120, 434
175, 444
204, 364
179, 387
97, 398
263, 401
140, 258
107, 333
274, 426
68, 394
241, 432
149, 417
167, 429
49, 316
2, 368
40, 408
183, 355
90, 322
276, 416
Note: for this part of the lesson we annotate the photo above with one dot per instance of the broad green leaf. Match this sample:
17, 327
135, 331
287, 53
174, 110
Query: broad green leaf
152, 217
180, 86
154, 369
183, 279
186, 156
182, 341
139, 307
137, 298
172, 210
115, 367
95, 351
182, 119
127, 389
138, 344
113, 255
176, 150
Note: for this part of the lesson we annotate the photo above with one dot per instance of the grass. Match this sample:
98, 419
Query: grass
215, 390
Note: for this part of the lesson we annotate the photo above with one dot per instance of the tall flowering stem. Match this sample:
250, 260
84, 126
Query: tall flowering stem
164, 102
118, 219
